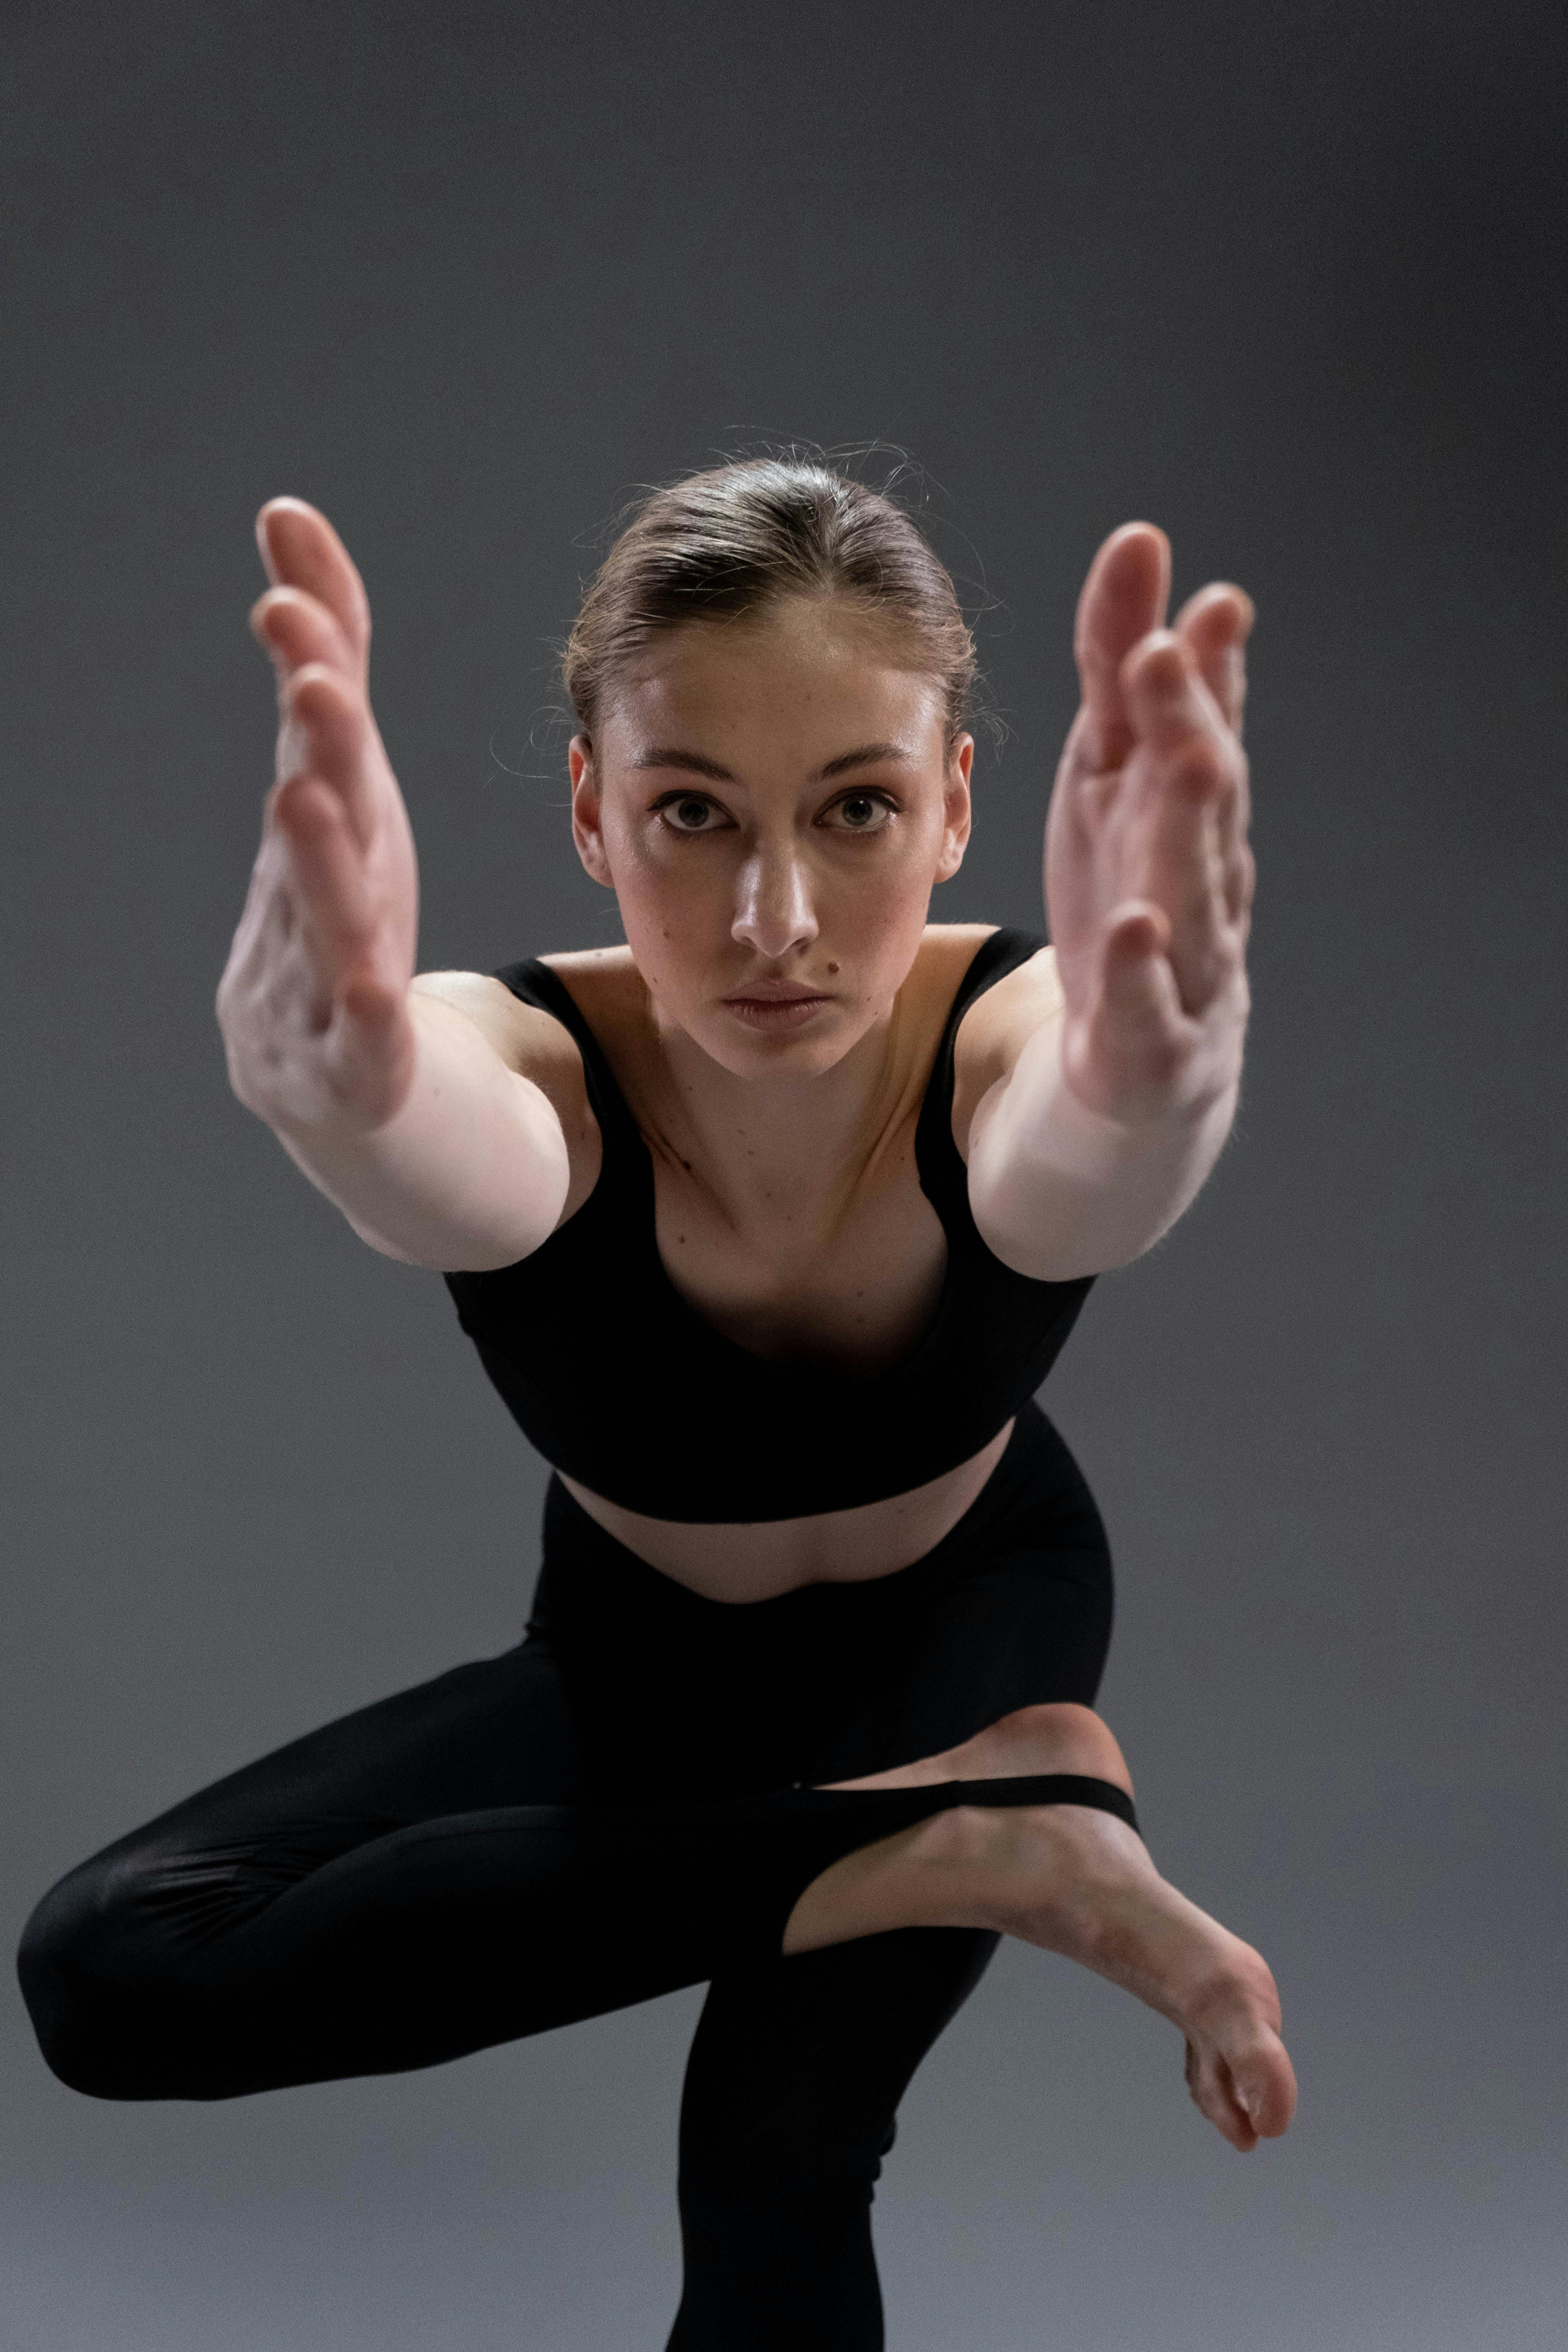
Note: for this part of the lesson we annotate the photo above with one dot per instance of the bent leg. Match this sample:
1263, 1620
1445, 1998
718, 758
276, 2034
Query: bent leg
321, 1912
411, 1884
794, 2077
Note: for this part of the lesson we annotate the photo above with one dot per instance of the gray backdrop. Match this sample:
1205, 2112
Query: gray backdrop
1276, 276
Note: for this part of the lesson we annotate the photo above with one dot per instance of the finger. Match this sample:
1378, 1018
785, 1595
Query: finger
1187, 785
300, 549
295, 629
1168, 701
327, 735
1124, 597
328, 871
1185, 872
1217, 623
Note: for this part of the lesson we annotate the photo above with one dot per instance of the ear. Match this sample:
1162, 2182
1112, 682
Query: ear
586, 830
956, 811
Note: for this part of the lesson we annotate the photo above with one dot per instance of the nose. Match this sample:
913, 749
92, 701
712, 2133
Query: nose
773, 913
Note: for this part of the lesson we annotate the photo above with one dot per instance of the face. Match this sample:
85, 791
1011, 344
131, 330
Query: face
772, 802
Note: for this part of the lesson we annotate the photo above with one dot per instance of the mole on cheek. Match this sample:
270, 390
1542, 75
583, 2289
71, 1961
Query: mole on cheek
831, 969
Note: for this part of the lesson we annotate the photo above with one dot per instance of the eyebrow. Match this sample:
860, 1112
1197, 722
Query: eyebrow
666, 755
694, 763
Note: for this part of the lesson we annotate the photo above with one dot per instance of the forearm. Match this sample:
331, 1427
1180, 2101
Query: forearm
469, 1173
1060, 1190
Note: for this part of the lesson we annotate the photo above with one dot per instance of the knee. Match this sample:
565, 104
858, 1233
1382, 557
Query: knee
95, 1975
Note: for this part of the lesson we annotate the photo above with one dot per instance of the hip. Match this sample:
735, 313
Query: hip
1012, 1605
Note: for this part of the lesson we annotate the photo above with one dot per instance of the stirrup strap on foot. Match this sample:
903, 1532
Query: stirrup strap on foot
1048, 1788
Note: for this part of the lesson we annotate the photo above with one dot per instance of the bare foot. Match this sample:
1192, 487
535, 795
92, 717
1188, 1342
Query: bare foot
1078, 1881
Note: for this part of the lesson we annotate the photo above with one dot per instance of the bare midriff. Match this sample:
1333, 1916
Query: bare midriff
757, 1559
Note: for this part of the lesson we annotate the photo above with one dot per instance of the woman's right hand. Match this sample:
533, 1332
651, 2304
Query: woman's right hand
313, 1002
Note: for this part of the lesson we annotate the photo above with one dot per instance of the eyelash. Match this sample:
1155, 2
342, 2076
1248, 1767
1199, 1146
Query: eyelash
696, 831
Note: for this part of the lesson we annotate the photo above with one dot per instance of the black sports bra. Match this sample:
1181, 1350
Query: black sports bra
622, 1386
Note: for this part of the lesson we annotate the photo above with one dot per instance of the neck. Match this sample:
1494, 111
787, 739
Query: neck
776, 1136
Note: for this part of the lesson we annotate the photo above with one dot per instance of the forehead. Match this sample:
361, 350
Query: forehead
803, 674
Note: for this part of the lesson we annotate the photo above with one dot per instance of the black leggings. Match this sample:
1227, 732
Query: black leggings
620, 1806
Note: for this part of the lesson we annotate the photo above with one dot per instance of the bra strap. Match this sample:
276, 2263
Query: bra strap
943, 1174
534, 983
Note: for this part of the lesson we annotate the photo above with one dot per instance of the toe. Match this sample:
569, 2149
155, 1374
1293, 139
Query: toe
1265, 2082
1246, 2088
1217, 2097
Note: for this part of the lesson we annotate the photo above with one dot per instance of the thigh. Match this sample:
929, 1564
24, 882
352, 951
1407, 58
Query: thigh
495, 1731
790, 2102
489, 1734
1016, 1611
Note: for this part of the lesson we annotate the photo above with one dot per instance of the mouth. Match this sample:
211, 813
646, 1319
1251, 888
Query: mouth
776, 1005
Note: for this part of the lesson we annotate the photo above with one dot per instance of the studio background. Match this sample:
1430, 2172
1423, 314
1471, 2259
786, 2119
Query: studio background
1278, 278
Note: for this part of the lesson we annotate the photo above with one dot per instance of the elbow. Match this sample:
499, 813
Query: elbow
379, 1243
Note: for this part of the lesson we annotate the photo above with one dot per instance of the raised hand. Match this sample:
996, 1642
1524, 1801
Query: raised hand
1148, 875
313, 1002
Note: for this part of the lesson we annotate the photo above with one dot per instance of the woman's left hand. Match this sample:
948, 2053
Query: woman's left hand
1148, 875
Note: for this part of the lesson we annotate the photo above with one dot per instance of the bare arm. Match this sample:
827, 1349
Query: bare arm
1119, 1061
407, 1108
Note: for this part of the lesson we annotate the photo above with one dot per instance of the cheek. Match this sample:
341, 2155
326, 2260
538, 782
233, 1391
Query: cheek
880, 893
880, 930
676, 912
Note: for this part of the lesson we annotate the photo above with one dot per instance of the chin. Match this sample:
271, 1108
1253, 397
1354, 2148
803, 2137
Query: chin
746, 1049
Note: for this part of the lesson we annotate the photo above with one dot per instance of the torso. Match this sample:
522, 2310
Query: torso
841, 1267
759, 1560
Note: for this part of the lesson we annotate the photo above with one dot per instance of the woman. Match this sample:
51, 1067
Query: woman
768, 1225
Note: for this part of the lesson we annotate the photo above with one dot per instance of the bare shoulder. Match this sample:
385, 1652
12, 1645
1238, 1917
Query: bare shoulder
606, 985
528, 1041
943, 955
947, 950
993, 1031
536, 1046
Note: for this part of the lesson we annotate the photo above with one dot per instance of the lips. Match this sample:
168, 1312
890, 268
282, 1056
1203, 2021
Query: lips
776, 1005
774, 992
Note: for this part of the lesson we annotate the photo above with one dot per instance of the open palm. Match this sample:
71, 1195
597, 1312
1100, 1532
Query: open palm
1148, 876
313, 1003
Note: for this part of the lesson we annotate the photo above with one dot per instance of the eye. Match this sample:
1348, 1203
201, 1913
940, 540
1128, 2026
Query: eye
863, 812
688, 813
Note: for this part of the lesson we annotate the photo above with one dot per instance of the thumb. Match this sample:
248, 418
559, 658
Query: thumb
369, 1003
1137, 987
1137, 1032
372, 1047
